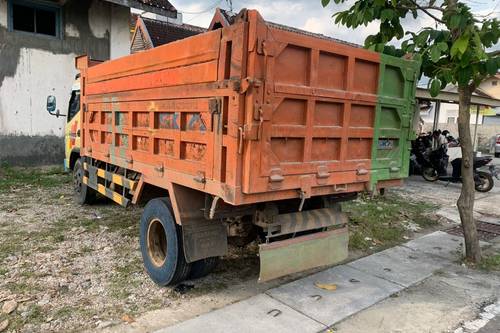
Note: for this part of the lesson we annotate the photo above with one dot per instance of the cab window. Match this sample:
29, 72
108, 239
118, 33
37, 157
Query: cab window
74, 104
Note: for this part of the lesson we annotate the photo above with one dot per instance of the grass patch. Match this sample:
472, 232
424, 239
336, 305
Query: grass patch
115, 219
124, 279
12, 178
21, 287
382, 221
11, 243
64, 312
35, 314
86, 249
490, 263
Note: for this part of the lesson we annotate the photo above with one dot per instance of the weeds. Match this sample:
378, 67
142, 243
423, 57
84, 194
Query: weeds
13, 178
383, 221
490, 263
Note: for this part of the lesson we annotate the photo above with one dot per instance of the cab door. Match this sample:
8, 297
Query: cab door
72, 129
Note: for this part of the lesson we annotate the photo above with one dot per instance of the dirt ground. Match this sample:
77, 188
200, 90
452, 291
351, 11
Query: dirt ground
65, 267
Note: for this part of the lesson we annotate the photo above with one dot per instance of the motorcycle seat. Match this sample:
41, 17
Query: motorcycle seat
482, 158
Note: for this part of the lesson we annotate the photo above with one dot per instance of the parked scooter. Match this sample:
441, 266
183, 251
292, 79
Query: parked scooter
483, 180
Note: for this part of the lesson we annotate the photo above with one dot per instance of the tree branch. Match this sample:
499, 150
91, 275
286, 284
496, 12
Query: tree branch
493, 53
425, 10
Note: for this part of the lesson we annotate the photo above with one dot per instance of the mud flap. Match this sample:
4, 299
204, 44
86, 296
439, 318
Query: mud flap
301, 253
203, 239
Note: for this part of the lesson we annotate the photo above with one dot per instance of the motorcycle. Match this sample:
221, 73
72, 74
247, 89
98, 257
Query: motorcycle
483, 180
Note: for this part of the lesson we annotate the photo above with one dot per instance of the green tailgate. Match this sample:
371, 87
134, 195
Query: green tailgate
393, 119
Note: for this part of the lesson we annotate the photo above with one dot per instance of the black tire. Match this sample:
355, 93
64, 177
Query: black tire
486, 182
161, 244
83, 193
203, 267
430, 174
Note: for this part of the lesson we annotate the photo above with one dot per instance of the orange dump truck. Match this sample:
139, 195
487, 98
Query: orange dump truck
250, 130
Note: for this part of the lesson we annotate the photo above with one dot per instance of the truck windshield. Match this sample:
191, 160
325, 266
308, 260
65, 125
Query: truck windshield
74, 104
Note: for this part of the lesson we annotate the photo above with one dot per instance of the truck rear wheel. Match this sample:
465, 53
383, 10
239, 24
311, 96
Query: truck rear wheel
161, 244
203, 267
83, 193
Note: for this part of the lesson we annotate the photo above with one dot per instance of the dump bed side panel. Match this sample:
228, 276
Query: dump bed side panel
313, 124
153, 112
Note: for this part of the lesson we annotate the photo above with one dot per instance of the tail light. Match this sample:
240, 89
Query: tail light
498, 140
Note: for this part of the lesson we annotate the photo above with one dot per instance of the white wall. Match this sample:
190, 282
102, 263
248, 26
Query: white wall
23, 96
3, 13
448, 110
40, 73
99, 20
120, 31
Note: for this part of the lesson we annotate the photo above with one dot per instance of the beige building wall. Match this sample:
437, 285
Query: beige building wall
491, 86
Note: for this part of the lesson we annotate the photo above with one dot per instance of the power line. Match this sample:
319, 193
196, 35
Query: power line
212, 6
205, 11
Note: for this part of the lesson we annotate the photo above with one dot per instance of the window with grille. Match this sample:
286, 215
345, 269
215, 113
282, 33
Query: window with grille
42, 19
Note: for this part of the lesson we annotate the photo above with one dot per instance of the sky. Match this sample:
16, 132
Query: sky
308, 15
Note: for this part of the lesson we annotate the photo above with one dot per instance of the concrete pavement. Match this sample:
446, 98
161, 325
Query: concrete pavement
492, 327
303, 306
486, 205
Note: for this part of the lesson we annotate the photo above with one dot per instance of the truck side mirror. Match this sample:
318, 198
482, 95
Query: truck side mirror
51, 104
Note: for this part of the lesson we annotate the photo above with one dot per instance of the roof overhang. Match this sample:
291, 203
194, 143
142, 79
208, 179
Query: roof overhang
142, 6
452, 97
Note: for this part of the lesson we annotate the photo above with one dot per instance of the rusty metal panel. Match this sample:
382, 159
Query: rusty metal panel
314, 121
291, 223
301, 253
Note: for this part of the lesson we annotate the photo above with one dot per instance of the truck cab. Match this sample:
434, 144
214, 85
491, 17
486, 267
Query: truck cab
72, 127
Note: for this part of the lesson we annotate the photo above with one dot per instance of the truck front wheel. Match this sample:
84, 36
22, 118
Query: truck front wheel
161, 244
83, 193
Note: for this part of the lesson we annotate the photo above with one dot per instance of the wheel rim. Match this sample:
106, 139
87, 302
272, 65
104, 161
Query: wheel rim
485, 183
77, 180
429, 173
157, 243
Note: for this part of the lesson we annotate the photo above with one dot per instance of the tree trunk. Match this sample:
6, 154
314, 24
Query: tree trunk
465, 202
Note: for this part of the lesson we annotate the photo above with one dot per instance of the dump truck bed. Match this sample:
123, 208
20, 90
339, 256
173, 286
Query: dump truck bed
252, 112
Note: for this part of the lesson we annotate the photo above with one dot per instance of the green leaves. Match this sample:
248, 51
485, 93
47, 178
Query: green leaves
436, 50
454, 22
443, 47
459, 46
422, 37
451, 51
435, 87
386, 15
492, 65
